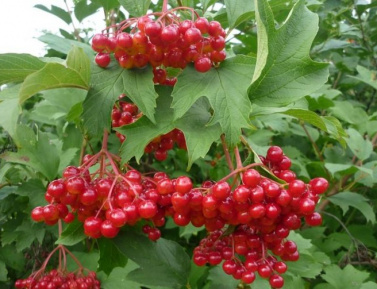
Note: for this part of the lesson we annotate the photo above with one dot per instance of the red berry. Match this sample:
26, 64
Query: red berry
154, 234
203, 64
147, 209
251, 178
103, 59
92, 227
193, 35
274, 154
37, 214
221, 190
153, 29
315, 219
183, 185
241, 194
318, 185
296, 188
118, 217
202, 24
108, 229
170, 34
276, 281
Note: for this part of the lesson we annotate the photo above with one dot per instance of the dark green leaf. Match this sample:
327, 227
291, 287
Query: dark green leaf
165, 262
35, 151
110, 256
348, 278
64, 45
199, 137
34, 190
136, 7
72, 234
16, 67
87, 260
3, 272
239, 11
349, 199
225, 87
107, 4
284, 71
57, 11
106, 87
13, 259
83, 9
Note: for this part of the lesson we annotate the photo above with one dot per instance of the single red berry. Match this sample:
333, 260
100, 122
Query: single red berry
203, 64
183, 185
108, 229
318, 185
37, 214
202, 24
103, 59
315, 219
276, 281
274, 154
221, 190
147, 209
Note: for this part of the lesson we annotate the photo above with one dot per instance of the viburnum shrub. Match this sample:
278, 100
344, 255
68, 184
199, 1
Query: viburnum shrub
163, 40
60, 278
186, 147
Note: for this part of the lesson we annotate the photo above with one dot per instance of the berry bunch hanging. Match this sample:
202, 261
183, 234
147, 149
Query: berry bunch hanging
163, 40
60, 278
125, 113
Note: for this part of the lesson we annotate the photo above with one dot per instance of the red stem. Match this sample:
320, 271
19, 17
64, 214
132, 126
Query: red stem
227, 155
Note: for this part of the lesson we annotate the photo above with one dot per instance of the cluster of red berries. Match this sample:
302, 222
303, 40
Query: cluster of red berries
56, 279
164, 42
124, 113
244, 253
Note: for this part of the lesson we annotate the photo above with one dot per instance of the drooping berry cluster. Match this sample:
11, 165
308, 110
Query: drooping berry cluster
164, 42
244, 254
124, 113
59, 280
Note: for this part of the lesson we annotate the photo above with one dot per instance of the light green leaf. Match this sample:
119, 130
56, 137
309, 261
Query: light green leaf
136, 7
9, 109
369, 285
88, 260
307, 266
308, 116
239, 11
367, 76
165, 262
53, 75
64, 45
361, 147
284, 71
72, 234
106, 87
348, 278
225, 87
118, 278
207, 3
346, 111
349, 199
199, 137
16, 67
366, 179
57, 11
78, 61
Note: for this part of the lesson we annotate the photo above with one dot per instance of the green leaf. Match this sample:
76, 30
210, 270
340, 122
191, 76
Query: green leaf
106, 87
308, 116
348, 278
88, 260
207, 3
361, 147
9, 109
348, 199
164, 262
83, 9
107, 4
57, 11
64, 45
34, 190
136, 7
369, 285
118, 278
198, 136
225, 87
239, 11
35, 151
13, 259
110, 256
16, 67
53, 75
78, 61
3, 272
72, 234
367, 76
219, 280
307, 266
284, 71
367, 179
346, 111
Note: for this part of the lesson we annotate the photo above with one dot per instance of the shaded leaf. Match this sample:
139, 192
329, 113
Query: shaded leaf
239, 11
199, 137
3, 272
16, 67
72, 234
225, 87
136, 7
349, 199
57, 11
110, 256
284, 71
165, 262
106, 87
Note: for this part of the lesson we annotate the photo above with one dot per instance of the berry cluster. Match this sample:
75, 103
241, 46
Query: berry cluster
164, 42
244, 253
59, 280
124, 113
